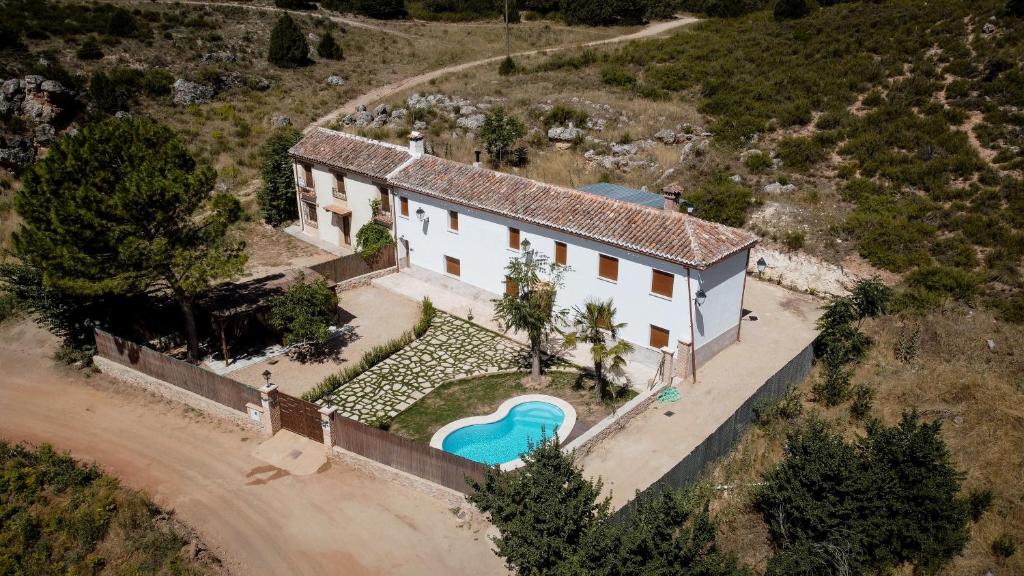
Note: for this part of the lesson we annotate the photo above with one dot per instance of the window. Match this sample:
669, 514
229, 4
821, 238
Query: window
404, 202
309, 214
513, 238
305, 176
608, 267
511, 287
452, 266
385, 200
561, 253
453, 220
659, 337
339, 187
661, 283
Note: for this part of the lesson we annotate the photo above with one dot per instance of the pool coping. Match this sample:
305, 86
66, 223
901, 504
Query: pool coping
437, 440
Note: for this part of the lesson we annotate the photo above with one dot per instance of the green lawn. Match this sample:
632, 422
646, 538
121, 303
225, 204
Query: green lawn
483, 394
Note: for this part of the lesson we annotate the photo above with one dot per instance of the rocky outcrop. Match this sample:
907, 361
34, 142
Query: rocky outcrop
335, 80
16, 151
188, 93
568, 133
43, 107
471, 123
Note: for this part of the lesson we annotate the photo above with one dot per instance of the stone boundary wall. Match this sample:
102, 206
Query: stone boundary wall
135, 378
384, 472
364, 280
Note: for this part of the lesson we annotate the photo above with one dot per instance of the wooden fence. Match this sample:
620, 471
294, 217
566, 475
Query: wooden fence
353, 265
300, 416
173, 371
725, 437
406, 455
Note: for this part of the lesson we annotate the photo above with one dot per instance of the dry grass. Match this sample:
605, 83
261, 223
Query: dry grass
977, 394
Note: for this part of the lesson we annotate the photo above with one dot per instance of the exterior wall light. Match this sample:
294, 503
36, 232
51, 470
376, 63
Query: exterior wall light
525, 247
689, 206
700, 298
761, 266
421, 215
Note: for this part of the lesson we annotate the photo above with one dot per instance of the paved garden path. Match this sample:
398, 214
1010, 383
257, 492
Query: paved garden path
451, 348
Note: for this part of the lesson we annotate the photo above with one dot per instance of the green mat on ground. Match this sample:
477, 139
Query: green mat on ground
669, 395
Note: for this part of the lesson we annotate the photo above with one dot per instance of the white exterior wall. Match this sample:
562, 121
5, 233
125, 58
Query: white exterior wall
723, 284
359, 191
481, 245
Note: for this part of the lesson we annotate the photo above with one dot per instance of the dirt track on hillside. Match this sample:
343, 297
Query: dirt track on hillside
257, 518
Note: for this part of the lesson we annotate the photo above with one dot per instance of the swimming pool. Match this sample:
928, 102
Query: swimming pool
501, 437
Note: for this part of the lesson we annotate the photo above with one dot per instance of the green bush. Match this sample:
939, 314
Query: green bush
562, 115
833, 388
617, 75
288, 47
122, 23
499, 133
766, 412
793, 239
942, 282
304, 313
89, 50
507, 66
1004, 545
328, 48
371, 238
800, 153
979, 501
863, 398
758, 163
722, 200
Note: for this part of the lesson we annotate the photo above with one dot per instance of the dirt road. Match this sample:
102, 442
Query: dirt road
393, 88
258, 518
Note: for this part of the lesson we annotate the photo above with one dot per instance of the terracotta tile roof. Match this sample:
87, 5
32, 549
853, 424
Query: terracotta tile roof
350, 153
671, 236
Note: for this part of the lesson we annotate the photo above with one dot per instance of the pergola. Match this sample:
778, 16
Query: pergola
232, 305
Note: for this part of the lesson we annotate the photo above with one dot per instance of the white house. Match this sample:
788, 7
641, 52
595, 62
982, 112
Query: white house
677, 281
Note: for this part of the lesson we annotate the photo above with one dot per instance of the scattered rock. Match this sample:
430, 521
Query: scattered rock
568, 133
399, 114
188, 93
693, 150
16, 151
467, 110
221, 56
749, 153
988, 28
991, 345
471, 123
777, 188
666, 136
736, 178
624, 149
335, 80
259, 83
279, 120
381, 110
361, 108
596, 123
419, 125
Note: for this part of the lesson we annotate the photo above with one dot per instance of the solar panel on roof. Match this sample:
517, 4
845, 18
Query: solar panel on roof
624, 194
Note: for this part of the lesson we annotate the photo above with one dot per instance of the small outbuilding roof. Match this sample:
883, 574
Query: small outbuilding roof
625, 194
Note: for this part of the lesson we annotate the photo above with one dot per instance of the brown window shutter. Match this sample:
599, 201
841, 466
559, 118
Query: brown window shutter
608, 267
453, 220
385, 200
511, 287
513, 238
453, 266
405, 206
661, 283
561, 253
308, 175
659, 337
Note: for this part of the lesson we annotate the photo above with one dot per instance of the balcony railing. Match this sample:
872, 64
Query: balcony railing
339, 194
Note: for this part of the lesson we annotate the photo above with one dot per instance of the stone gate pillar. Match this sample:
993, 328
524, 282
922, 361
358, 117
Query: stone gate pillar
271, 409
326, 417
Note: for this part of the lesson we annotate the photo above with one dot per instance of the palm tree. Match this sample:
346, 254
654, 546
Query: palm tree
595, 324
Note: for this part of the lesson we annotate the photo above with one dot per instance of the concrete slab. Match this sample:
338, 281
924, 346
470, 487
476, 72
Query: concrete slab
295, 454
653, 442
296, 231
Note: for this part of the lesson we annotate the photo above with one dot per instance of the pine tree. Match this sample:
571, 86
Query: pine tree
276, 196
328, 48
121, 208
288, 47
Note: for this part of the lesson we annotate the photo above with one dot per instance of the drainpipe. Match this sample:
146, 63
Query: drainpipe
693, 340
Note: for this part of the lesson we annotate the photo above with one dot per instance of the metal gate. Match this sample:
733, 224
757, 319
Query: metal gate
300, 417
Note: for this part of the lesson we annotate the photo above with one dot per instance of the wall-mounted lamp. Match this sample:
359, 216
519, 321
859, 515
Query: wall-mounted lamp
525, 247
761, 266
421, 215
689, 206
700, 297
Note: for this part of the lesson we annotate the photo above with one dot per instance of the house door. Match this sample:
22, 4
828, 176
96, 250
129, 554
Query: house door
404, 260
346, 229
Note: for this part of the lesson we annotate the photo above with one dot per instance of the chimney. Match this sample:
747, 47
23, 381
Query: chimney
415, 144
476, 163
671, 194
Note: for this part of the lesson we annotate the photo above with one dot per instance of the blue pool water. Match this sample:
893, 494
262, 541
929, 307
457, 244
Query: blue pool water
505, 440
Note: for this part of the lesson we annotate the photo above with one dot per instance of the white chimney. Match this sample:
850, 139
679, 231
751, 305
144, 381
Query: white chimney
415, 144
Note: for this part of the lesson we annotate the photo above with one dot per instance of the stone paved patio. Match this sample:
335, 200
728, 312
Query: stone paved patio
451, 348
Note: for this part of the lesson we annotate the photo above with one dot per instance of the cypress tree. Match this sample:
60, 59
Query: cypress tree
288, 47
276, 196
328, 48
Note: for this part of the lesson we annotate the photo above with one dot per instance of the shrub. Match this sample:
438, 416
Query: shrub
979, 501
616, 75
722, 200
328, 48
758, 163
800, 153
788, 408
1004, 546
863, 398
793, 239
793, 9
940, 282
288, 48
116, 91
833, 388
908, 344
89, 50
507, 66
157, 82
371, 238
499, 132
562, 115
304, 313
122, 23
